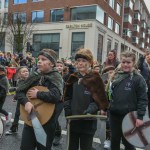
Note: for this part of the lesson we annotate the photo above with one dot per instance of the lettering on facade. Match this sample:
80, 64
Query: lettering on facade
78, 26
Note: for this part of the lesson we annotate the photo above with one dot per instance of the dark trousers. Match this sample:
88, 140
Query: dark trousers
17, 114
116, 133
29, 140
148, 102
1, 107
84, 139
58, 129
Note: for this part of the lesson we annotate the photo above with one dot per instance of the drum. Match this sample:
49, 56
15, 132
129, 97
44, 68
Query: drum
137, 136
1, 128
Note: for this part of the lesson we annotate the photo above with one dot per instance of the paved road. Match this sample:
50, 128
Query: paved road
13, 142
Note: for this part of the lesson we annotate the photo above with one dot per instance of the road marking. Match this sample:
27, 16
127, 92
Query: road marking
64, 132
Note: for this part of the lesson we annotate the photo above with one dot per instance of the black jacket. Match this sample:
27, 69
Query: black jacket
78, 101
129, 95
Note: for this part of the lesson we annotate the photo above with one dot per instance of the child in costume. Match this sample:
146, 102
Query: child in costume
78, 100
128, 93
49, 77
4, 85
22, 75
57, 138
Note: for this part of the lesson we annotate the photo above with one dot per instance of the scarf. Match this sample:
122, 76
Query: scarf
53, 76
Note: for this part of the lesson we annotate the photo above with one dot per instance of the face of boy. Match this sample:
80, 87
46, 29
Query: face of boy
82, 65
127, 64
59, 67
24, 73
97, 69
44, 64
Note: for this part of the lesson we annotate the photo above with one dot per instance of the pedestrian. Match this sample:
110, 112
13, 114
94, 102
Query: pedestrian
78, 101
57, 138
144, 67
128, 93
111, 59
106, 76
22, 75
4, 86
49, 77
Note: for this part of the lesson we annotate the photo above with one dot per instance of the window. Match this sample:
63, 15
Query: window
36, 0
57, 15
127, 32
78, 39
82, 13
108, 45
127, 18
116, 46
100, 14
136, 27
111, 3
128, 3
0, 4
137, 16
50, 40
142, 45
143, 35
147, 40
20, 1
19, 17
6, 4
99, 47
5, 19
118, 9
117, 28
135, 40
37, 16
143, 25
110, 23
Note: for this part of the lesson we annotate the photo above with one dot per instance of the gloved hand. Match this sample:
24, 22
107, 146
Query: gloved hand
86, 112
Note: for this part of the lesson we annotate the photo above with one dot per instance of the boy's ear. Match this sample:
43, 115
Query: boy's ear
52, 65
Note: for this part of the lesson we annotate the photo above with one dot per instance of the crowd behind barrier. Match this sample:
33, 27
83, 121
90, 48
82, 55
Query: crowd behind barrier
66, 67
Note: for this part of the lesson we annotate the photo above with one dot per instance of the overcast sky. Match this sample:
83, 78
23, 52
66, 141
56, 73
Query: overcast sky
147, 2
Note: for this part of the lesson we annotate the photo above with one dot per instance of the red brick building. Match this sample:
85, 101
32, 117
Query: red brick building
69, 25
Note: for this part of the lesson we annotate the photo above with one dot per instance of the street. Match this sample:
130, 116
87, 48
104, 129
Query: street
12, 142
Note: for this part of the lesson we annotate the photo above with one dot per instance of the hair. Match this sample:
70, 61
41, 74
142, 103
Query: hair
108, 62
60, 62
19, 70
129, 54
52, 54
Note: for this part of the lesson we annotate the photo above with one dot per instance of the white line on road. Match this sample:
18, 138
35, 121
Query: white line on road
96, 140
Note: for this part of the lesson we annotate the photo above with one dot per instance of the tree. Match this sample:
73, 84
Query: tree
3, 28
18, 31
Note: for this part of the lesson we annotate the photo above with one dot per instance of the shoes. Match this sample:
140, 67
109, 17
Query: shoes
13, 129
57, 140
107, 144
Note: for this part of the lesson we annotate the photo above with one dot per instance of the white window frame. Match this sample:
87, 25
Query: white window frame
111, 22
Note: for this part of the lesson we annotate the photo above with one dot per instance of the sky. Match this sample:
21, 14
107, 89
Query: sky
147, 2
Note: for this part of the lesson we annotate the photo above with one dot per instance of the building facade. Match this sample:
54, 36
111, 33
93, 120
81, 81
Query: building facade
65, 25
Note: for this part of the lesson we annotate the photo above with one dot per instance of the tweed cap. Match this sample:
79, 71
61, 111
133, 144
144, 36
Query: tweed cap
50, 54
108, 68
